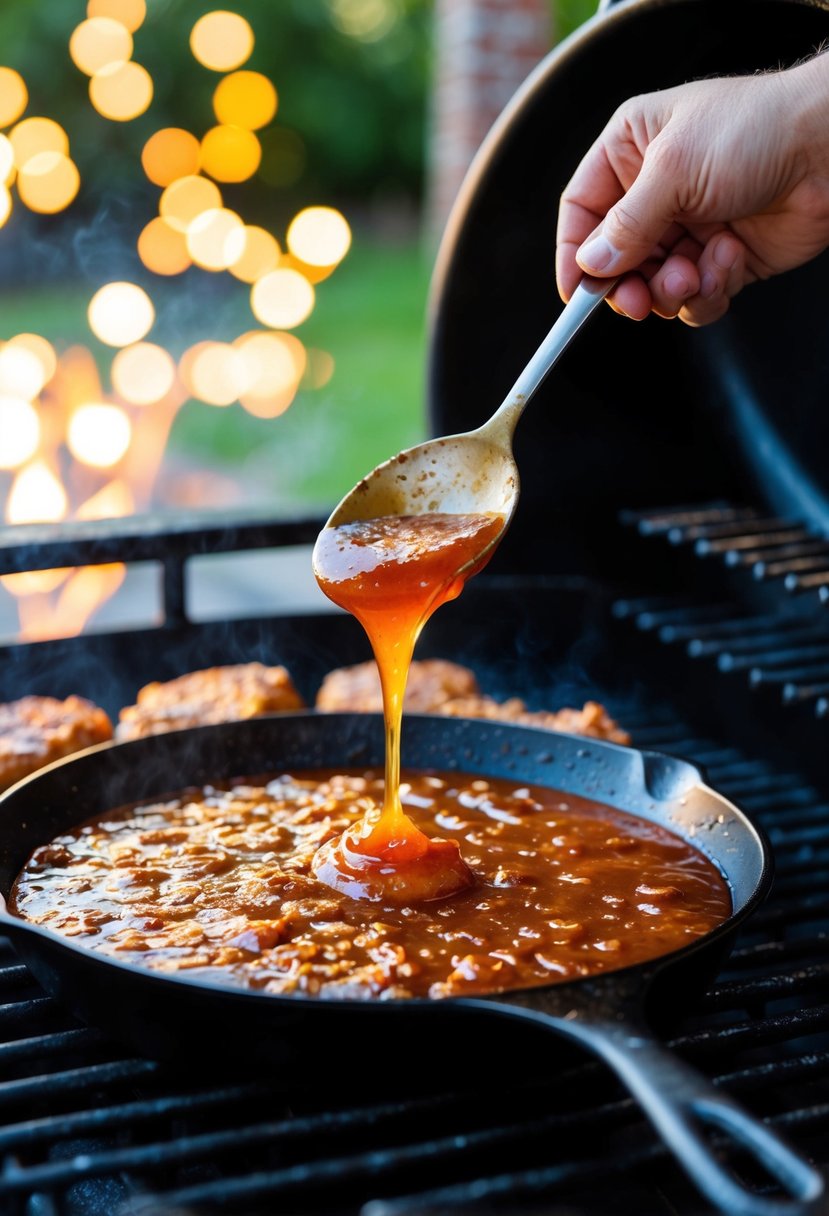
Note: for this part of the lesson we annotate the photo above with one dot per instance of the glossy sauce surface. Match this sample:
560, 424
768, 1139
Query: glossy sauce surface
219, 883
392, 573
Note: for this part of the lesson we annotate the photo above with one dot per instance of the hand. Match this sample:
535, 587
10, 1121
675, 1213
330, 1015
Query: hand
700, 190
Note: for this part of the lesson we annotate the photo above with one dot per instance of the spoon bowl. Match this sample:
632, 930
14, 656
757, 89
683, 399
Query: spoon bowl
473, 472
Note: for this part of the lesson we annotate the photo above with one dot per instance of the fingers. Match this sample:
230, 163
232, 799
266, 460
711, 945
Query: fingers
593, 189
637, 222
722, 274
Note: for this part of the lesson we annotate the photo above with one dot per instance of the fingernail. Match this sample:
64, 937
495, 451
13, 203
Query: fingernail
708, 285
725, 256
677, 285
597, 254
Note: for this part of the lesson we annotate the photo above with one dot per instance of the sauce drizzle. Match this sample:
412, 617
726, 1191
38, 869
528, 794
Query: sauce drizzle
392, 573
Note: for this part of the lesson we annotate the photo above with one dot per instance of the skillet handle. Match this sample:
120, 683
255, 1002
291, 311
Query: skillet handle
682, 1105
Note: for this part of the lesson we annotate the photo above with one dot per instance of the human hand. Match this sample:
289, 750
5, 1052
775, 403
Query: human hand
700, 190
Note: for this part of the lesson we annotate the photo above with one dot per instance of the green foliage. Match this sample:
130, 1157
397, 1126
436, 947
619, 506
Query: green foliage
569, 14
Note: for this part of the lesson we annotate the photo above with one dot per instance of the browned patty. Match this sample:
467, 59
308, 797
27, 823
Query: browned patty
437, 686
217, 694
37, 730
432, 682
592, 719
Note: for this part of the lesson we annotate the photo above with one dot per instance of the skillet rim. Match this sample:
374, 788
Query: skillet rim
645, 971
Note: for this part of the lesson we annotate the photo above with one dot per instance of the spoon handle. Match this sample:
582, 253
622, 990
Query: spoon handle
587, 296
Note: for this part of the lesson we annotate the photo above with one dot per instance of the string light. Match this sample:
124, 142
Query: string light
98, 43
129, 13
245, 99
230, 154
282, 299
120, 314
121, 91
14, 96
221, 40
170, 154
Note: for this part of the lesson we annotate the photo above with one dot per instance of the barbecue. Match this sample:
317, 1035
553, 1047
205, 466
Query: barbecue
679, 577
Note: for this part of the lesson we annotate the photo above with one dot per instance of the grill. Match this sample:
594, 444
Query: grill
88, 1129
702, 627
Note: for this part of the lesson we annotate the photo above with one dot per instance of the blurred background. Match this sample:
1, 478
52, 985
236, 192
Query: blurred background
218, 227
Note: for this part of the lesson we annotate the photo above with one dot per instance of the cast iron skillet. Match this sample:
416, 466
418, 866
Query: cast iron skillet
170, 1015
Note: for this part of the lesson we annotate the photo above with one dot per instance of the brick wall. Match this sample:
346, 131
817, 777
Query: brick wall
484, 49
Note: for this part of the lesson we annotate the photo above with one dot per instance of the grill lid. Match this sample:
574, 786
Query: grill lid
633, 414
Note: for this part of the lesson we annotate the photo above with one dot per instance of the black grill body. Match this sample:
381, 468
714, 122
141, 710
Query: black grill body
89, 1128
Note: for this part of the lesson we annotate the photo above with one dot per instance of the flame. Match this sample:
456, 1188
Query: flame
46, 612
37, 496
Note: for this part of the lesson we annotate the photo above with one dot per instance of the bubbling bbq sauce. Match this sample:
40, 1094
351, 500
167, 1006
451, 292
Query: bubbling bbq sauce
392, 573
217, 884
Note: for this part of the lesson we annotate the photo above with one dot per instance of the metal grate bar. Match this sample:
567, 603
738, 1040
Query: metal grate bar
43, 1045
525, 1184
659, 519
758, 557
761, 1032
128, 1114
74, 1079
137, 538
731, 993
16, 976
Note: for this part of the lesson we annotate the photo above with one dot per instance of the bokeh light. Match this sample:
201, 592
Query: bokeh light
320, 368
214, 238
14, 96
214, 372
36, 496
121, 91
245, 99
282, 299
258, 254
314, 274
114, 500
21, 372
98, 43
230, 154
274, 365
221, 40
48, 182
5, 204
319, 236
143, 374
120, 314
365, 20
7, 166
98, 434
129, 13
42, 350
19, 431
187, 198
35, 135
162, 248
170, 154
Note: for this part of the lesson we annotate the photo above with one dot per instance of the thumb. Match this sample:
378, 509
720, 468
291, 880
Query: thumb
629, 231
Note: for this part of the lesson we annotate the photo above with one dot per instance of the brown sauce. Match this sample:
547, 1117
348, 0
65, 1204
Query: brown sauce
219, 883
392, 573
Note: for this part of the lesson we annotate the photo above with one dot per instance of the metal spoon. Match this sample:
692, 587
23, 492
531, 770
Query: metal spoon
474, 471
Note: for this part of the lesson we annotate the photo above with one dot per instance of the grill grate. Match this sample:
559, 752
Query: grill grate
89, 1131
